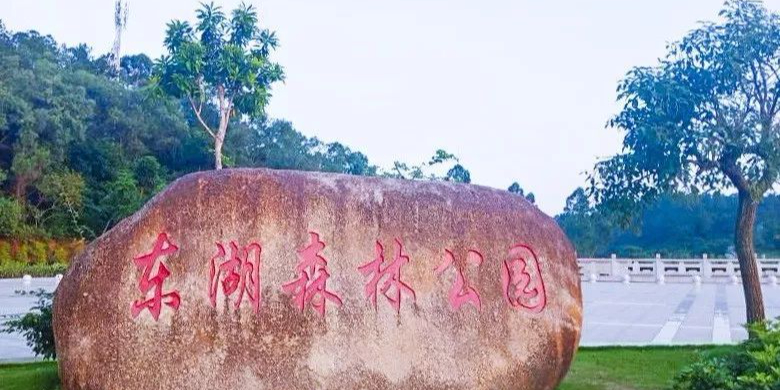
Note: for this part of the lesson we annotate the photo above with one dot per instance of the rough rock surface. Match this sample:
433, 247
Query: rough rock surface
483, 294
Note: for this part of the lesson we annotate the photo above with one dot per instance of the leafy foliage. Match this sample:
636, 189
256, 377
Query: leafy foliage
36, 326
753, 365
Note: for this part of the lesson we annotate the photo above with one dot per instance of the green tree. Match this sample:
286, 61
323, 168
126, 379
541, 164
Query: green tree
585, 226
60, 203
221, 64
704, 119
11, 217
428, 170
517, 190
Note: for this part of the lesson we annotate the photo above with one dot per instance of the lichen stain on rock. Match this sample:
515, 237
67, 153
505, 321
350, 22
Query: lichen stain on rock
430, 339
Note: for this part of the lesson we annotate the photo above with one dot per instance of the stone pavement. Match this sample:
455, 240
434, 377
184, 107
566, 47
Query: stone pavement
615, 313
649, 313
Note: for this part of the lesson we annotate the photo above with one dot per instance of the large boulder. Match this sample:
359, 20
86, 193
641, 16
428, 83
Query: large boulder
262, 279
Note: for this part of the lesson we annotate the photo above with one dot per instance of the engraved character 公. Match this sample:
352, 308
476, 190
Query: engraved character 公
461, 291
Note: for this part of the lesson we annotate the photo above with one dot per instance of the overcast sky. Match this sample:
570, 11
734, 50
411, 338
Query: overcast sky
520, 90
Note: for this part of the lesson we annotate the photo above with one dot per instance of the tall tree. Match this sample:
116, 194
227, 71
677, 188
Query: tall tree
705, 118
121, 10
223, 63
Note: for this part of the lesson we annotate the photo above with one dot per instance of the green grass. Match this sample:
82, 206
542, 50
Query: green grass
17, 270
29, 376
631, 368
609, 368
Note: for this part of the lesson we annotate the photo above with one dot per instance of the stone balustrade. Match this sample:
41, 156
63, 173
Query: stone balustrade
658, 270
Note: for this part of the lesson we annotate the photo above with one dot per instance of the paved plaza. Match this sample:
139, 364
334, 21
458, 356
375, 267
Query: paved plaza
615, 313
649, 313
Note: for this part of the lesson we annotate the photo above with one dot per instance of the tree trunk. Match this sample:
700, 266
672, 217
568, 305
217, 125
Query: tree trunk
751, 278
219, 139
218, 152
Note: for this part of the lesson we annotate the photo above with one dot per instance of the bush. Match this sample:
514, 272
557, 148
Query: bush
753, 365
36, 327
39, 252
61, 254
22, 252
5, 252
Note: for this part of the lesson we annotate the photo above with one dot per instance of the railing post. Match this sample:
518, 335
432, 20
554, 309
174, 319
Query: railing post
732, 273
613, 265
659, 270
706, 267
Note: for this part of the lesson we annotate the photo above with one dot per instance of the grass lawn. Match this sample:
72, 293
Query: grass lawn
631, 368
29, 376
610, 368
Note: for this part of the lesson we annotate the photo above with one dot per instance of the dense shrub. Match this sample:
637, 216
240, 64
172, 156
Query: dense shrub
60, 255
753, 365
5, 252
39, 253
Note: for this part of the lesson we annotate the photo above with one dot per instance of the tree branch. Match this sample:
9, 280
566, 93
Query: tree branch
732, 171
197, 115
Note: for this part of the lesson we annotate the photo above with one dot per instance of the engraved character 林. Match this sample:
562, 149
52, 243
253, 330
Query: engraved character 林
391, 273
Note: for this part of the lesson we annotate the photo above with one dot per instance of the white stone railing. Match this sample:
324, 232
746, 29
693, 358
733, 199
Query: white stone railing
661, 271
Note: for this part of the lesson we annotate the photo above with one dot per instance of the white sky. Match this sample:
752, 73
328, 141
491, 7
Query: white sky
520, 90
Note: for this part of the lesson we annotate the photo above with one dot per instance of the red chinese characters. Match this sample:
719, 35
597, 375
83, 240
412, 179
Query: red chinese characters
391, 274
461, 291
522, 280
148, 282
311, 284
240, 272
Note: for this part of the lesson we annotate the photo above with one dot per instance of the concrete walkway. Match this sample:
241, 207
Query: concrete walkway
615, 313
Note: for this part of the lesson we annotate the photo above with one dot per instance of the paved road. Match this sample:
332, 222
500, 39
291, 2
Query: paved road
615, 313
